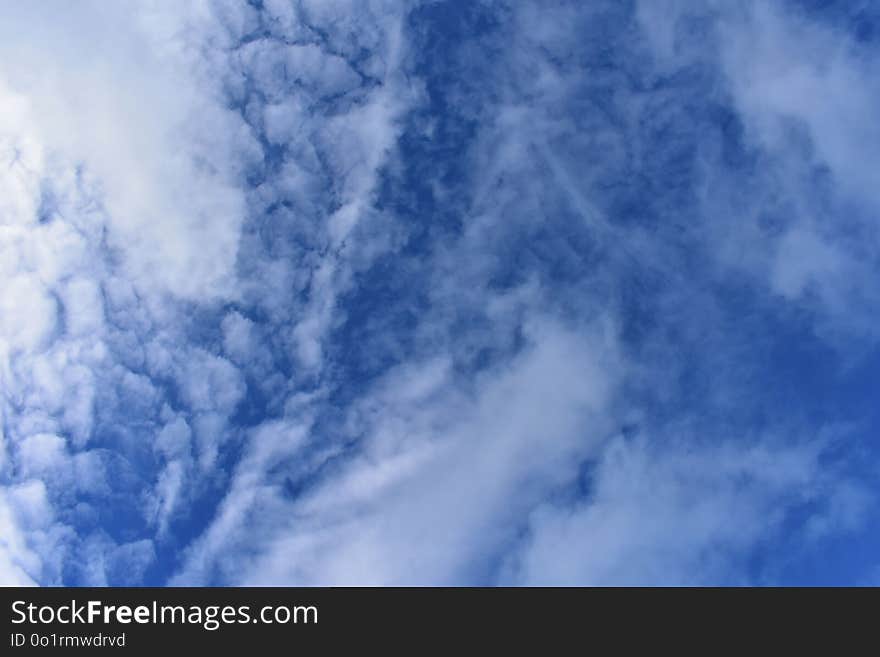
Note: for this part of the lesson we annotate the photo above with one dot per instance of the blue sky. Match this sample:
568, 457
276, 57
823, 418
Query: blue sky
439, 293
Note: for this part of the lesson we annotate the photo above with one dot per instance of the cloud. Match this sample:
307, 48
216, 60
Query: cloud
801, 214
102, 189
391, 293
425, 498
784, 68
30, 535
667, 516
101, 111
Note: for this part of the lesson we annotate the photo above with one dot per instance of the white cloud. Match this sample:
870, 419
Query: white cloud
785, 68
439, 481
92, 79
191, 195
804, 258
32, 547
666, 515
122, 198
28, 313
211, 383
41, 454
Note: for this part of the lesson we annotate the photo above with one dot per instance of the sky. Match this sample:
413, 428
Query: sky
420, 292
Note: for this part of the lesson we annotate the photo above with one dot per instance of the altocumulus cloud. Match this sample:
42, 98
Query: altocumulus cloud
404, 292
